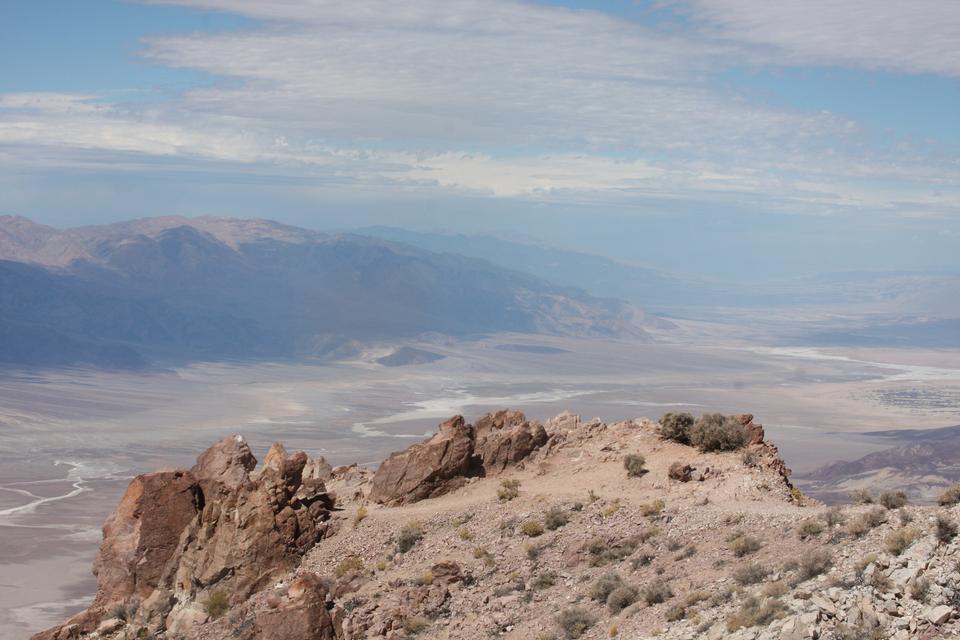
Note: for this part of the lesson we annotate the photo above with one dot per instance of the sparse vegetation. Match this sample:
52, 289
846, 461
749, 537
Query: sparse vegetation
867, 521
606, 584
893, 499
750, 458
350, 564
676, 426
809, 529
751, 574
509, 489
409, 536
216, 603
834, 516
950, 496
359, 516
814, 564
544, 580
555, 518
755, 612
621, 598
575, 621
920, 589
861, 496
414, 625
465, 534
946, 529
654, 508
657, 591
897, 541
633, 463
717, 432
743, 545
532, 528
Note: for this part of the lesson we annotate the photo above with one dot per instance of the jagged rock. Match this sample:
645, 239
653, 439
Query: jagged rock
301, 614
938, 614
446, 572
456, 452
256, 528
506, 437
110, 625
754, 429
428, 468
183, 620
225, 466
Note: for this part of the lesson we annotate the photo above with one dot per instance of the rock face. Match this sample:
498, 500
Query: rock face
177, 535
301, 614
456, 452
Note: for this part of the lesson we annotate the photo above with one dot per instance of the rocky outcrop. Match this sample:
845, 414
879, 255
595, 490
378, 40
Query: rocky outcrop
179, 535
755, 430
301, 614
456, 452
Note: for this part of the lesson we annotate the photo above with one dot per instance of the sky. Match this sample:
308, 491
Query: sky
732, 137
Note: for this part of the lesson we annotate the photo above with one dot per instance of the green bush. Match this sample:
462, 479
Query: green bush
633, 463
676, 426
717, 432
575, 621
893, 499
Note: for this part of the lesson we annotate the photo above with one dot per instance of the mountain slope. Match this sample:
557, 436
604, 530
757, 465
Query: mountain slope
224, 288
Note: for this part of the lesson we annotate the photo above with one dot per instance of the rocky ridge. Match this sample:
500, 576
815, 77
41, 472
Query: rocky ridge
511, 528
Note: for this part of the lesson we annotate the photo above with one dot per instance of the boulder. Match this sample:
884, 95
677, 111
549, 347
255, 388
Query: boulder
426, 469
225, 466
458, 451
938, 614
754, 429
301, 614
680, 472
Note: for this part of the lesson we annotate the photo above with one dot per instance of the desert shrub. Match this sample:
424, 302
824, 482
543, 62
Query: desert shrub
532, 528
776, 589
648, 532
750, 458
465, 534
744, 545
642, 560
509, 489
676, 612
657, 591
633, 463
688, 552
412, 625
621, 598
534, 550
555, 518
867, 521
897, 541
861, 496
652, 508
950, 496
814, 564
359, 516
612, 508
919, 589
424, 579
216, 603
905, 517
673, 544
350, 564
755, 612
606, 584
809, 529
834, 516
716, 432
751, 574
602, 553
408, 537
676, 426
893, 499
575, 621
544, 580
946, 529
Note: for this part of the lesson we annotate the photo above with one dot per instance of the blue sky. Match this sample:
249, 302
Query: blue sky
820, 135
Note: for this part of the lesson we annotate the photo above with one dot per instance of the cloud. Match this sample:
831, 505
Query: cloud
495, 98
920, 36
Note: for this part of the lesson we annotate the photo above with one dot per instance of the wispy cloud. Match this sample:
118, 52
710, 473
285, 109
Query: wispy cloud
513, 100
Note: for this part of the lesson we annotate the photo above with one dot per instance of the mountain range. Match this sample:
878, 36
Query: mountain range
133, 293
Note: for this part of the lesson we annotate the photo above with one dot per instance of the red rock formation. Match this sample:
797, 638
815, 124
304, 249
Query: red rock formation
301, 614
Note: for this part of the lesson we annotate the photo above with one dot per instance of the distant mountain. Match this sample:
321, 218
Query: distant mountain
922, 463
212, 288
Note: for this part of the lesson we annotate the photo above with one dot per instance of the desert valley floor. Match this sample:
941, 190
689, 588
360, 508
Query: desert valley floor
70, 440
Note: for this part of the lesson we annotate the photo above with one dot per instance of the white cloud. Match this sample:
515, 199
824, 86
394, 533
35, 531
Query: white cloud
916, 36
498, 98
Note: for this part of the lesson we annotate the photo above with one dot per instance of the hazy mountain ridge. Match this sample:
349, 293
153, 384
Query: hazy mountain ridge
219, 287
